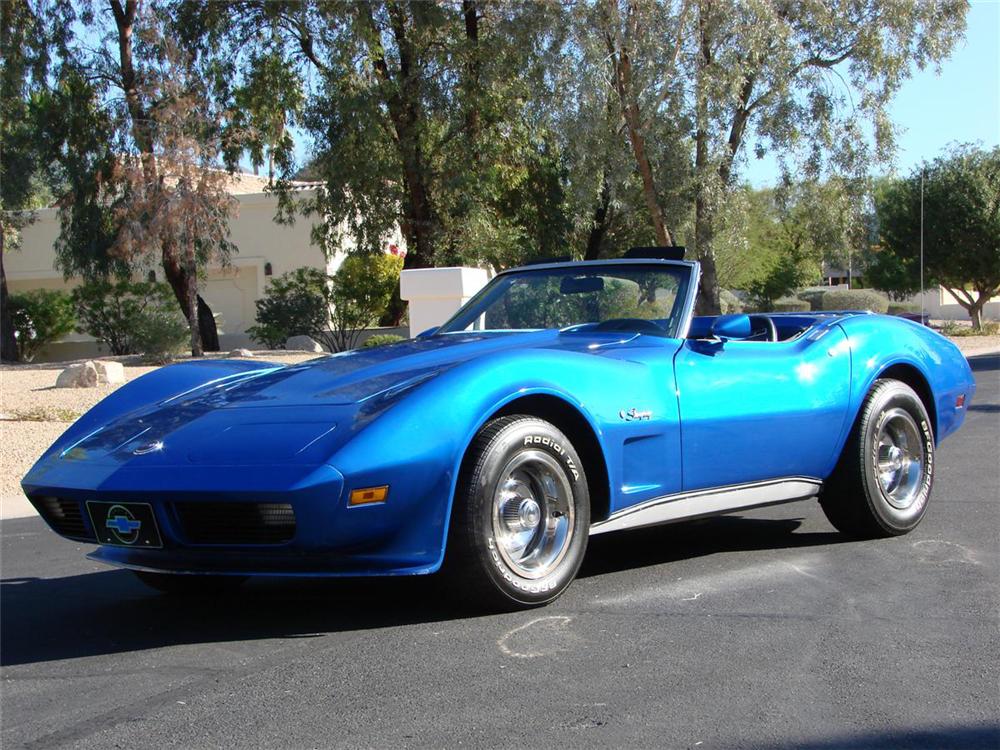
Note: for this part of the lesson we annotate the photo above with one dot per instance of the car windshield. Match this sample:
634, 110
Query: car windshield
643, 298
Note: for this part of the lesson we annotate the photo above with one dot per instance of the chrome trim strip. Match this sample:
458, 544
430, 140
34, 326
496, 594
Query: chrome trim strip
687, 313
715, 500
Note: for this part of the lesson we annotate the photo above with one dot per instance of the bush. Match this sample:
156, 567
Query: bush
39, 317
789, 304
362, 290
729, 302
131, 317
952, 328
897, 309
331, 310
813, 296
854, 299
381, 340
296, 303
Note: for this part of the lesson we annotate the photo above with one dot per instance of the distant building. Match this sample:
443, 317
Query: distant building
266, 249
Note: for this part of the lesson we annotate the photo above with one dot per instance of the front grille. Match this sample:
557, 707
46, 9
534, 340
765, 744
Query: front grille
65, 516
236, 523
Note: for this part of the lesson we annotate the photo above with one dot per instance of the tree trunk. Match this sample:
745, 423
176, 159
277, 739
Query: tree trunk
976, 312
633, 125
8, 346
191, 295
599, 227
708, 289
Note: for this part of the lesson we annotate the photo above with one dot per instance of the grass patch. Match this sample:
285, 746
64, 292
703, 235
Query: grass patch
957, 329
43, 414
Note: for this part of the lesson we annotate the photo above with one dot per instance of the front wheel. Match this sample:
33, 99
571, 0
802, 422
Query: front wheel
883, 480
521, 515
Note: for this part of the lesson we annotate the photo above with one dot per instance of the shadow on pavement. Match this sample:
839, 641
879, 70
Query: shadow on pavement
110, 612
657, 545
964, 737
985, 363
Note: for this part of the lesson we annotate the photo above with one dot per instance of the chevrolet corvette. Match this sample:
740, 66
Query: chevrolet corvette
564, 400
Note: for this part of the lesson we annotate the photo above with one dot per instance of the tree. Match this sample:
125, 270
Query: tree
24, 45
800, 78
114, 87
961, 207
184, 214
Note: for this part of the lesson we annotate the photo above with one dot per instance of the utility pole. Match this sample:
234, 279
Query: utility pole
922, 301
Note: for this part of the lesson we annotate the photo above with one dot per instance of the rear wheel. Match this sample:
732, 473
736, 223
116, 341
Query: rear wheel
883, 481
177, 584
521, 516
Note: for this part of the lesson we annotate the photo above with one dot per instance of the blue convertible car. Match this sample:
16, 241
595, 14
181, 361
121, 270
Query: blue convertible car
564, 400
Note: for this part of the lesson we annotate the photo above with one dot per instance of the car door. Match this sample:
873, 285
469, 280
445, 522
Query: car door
752, 411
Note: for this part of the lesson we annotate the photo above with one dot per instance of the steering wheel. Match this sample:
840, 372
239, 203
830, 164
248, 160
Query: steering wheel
628, 324
763, 329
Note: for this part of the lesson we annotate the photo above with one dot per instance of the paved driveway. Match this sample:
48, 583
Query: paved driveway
758, 630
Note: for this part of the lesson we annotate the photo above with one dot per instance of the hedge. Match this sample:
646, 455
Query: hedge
854, 299
787, 304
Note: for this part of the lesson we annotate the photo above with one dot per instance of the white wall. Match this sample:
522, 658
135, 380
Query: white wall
435, 294
231, 292
941, 305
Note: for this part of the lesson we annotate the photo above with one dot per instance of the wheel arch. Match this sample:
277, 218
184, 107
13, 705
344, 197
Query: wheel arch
572, 422
915, 379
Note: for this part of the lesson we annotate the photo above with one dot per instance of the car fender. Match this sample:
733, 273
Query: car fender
418, 444
939, 363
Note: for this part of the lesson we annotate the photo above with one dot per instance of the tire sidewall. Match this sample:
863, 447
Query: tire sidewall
892, 396
535, 435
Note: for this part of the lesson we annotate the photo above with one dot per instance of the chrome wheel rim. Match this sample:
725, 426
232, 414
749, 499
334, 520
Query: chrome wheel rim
899, 458
533, 517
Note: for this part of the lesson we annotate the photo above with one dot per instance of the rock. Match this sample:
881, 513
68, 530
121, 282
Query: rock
80, 375
110, 373
240, 353
303, 343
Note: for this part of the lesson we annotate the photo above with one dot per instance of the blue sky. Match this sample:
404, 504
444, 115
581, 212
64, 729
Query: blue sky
961, 105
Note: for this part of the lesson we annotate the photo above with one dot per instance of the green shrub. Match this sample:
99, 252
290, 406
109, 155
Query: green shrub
729, 302
952, 328
854, 299
39, 317
296, 303
131, 317
381, 340
331, 310
813, 296
789, 304
895, 308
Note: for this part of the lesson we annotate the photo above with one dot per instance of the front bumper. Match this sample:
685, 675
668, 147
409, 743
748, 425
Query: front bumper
328, 538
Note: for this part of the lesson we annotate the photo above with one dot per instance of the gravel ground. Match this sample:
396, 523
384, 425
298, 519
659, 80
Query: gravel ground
33, 412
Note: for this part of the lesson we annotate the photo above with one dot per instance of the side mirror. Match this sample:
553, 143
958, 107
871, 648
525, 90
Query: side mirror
427, 333
731, 327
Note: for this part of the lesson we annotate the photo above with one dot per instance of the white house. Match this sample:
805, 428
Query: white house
266, 249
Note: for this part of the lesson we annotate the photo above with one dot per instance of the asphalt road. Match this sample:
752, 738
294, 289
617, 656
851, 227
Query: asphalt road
764, 630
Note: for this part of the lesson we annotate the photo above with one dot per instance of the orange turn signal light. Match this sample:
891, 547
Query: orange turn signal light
369, 495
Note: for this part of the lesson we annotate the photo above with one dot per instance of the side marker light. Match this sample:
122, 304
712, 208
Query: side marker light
369, 495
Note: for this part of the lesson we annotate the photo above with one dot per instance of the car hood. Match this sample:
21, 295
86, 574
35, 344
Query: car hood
299, 413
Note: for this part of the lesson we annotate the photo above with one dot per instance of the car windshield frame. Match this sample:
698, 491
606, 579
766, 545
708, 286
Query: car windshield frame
685, 272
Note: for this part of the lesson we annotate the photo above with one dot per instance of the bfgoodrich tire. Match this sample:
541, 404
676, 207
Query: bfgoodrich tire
521, 515
883, 480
